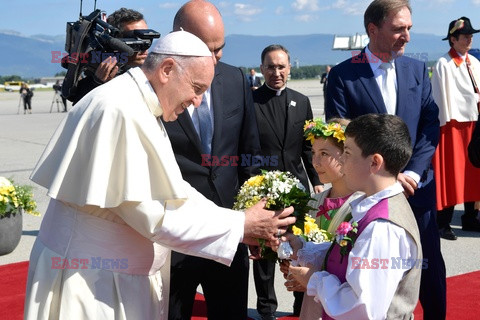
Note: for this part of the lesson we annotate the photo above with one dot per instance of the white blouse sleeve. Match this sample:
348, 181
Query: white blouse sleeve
313, 254
369, 289
195, 227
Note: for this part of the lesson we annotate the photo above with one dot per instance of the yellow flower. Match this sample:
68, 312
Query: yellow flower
296, 231
308, 124
255, 181
343, 243
311, 138
16, 196
310, 225
339, 135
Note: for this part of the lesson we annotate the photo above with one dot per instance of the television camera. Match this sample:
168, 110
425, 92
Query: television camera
90, 40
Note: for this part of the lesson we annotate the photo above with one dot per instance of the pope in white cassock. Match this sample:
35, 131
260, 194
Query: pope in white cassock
118, 201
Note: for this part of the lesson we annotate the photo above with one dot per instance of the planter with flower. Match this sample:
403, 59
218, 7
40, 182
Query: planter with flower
14, 199
281, 189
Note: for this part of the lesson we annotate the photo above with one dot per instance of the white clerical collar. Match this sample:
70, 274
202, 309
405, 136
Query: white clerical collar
375, 61
147, 91
361, 205
277, 91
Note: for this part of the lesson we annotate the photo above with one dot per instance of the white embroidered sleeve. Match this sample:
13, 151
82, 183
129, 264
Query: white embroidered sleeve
313, 254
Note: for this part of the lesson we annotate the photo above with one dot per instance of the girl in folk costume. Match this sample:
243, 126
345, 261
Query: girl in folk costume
331, 206
455, 81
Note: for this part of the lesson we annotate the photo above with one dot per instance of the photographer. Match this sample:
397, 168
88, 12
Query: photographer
26, 94
58, 90
125, 20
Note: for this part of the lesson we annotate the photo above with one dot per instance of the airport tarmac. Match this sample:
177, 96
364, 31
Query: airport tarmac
23, 138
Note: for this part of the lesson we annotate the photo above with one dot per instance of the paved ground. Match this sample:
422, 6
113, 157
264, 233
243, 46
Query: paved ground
23, 138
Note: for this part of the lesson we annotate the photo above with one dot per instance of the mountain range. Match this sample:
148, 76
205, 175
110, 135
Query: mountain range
35, 56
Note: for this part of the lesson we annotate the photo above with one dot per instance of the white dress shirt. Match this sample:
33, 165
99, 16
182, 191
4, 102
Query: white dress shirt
367, 293
380, 75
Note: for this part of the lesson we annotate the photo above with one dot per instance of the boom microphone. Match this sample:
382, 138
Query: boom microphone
116, 44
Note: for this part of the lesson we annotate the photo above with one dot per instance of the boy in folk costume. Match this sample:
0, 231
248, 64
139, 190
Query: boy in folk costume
373, 268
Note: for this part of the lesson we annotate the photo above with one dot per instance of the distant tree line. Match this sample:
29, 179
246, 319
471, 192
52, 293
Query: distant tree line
14, 77
10, 78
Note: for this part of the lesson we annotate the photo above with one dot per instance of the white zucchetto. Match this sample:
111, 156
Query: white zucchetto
182, 43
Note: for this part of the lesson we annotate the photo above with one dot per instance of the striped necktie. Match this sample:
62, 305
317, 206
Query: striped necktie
205, 126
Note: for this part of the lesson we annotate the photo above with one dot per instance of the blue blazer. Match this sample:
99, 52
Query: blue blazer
352, 91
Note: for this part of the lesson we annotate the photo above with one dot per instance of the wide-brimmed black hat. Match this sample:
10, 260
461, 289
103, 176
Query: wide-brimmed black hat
460, 26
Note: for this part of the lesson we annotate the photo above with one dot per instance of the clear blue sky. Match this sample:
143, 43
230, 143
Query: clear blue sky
251, 17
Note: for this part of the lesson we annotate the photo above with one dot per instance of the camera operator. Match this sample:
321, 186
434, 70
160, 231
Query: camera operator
125, 20
58, 90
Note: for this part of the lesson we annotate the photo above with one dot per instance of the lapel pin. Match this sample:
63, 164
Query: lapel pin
293, 103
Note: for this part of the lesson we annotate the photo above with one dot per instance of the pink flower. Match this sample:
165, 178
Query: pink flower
344, 228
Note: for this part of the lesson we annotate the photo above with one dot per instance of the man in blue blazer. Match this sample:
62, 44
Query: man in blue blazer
217, 173
381, 80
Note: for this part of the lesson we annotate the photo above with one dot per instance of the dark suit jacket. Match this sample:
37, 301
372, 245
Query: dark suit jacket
352, 91
256, 82
235, 133
291, 150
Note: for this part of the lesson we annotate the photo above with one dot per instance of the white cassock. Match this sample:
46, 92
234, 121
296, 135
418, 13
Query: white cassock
119, 205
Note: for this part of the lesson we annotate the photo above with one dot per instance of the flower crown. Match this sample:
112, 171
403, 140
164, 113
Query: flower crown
317, 128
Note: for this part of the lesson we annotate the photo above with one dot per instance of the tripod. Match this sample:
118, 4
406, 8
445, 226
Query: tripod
19, 103
56, 96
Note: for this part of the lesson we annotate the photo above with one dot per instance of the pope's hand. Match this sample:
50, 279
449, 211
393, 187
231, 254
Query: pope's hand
265, 224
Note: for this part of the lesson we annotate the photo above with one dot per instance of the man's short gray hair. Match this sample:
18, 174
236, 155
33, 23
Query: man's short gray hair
378, 11
153, 60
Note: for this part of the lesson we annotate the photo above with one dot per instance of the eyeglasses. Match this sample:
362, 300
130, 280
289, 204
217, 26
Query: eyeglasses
272, 68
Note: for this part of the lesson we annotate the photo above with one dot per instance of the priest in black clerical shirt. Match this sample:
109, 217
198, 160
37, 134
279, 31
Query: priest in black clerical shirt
281, 114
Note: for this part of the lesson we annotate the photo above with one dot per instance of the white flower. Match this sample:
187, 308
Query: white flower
4, 182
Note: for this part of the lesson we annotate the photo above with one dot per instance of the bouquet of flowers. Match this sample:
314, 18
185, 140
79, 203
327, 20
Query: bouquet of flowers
311, 232
14, 197
281, 189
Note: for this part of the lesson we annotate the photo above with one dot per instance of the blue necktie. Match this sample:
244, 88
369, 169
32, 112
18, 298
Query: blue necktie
205, 126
